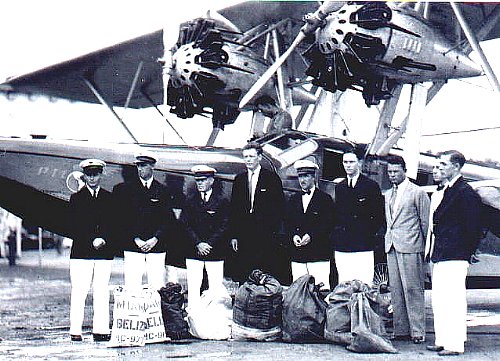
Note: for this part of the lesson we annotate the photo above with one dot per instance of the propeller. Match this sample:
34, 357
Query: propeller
313, 21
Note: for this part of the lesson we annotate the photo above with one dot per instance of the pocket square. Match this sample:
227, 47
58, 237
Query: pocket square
154, 200
211, 212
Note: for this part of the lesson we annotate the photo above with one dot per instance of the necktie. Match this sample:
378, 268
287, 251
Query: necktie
392, 200
250, 189
350, 183
204, 196
440, 187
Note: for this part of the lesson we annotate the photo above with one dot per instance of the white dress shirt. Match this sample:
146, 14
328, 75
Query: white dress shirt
306, 198
353, 180
206, 195
147, 183
93, 192
253, 178
401, 188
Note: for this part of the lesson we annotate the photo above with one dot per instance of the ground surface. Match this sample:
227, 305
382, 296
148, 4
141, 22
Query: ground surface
34, 324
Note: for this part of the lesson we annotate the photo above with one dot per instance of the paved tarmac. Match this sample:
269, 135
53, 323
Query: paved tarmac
34, 325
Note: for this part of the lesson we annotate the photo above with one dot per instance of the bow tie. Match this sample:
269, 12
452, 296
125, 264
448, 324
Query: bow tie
440, 187
306, 192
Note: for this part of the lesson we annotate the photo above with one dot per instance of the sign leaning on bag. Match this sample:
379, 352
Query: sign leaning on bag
137, 318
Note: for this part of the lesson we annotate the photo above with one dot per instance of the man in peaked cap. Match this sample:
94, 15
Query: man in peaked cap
309, 216
144, 219
205, 217
91, 253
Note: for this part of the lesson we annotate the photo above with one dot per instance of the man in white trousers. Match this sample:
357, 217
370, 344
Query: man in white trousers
309, 217
92, 251
456, 233
144, 219
358, 216
205, 218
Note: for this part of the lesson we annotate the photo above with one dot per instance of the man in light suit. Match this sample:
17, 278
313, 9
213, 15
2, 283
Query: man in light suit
257, 206
407, 216
358, 216
309, 216
457, 231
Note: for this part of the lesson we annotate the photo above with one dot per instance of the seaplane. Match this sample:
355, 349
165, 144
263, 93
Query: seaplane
222, 64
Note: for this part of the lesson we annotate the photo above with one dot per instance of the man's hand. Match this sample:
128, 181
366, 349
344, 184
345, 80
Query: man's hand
203, 248
139, 242
305, 239
149, 244
98, 242
234, 244
297, 240
428, 272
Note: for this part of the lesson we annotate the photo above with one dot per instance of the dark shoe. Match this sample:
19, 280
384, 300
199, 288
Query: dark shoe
400, 338
417, 339
76, 338
99, 337
448, 353
435, 348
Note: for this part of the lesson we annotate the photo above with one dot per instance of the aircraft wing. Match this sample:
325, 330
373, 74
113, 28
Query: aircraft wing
111, 70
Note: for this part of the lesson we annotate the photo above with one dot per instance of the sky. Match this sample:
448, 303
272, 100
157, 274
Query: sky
35, 34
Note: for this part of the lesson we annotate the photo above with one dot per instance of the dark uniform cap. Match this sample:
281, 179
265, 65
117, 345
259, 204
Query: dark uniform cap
145, 157
92, 165
305, 166
203, 171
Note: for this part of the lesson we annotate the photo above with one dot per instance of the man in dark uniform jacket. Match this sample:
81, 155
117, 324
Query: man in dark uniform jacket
205, 217
308, 221
92, 251
456, 234
358, 215
145, 220
257, 206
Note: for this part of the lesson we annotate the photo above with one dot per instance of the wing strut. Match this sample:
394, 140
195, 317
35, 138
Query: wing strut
213, 136
475, 45
134, 84
162, 115
104, 102
279, 71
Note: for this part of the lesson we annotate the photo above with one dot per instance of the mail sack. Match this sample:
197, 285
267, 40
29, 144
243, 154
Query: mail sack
211, 318
173, 311
303, 311
137, 318
338, 312
258, 308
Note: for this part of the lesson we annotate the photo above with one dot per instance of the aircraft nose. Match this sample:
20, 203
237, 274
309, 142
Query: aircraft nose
463, 66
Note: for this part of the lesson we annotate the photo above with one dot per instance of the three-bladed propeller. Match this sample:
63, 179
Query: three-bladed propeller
313, 21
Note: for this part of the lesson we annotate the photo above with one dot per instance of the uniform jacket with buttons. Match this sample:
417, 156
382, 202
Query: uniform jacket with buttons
143, 213
206, 222
316, 221
457, 225
358, 215
91, 218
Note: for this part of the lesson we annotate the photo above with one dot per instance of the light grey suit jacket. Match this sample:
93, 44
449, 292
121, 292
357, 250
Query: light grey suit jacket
407, 227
